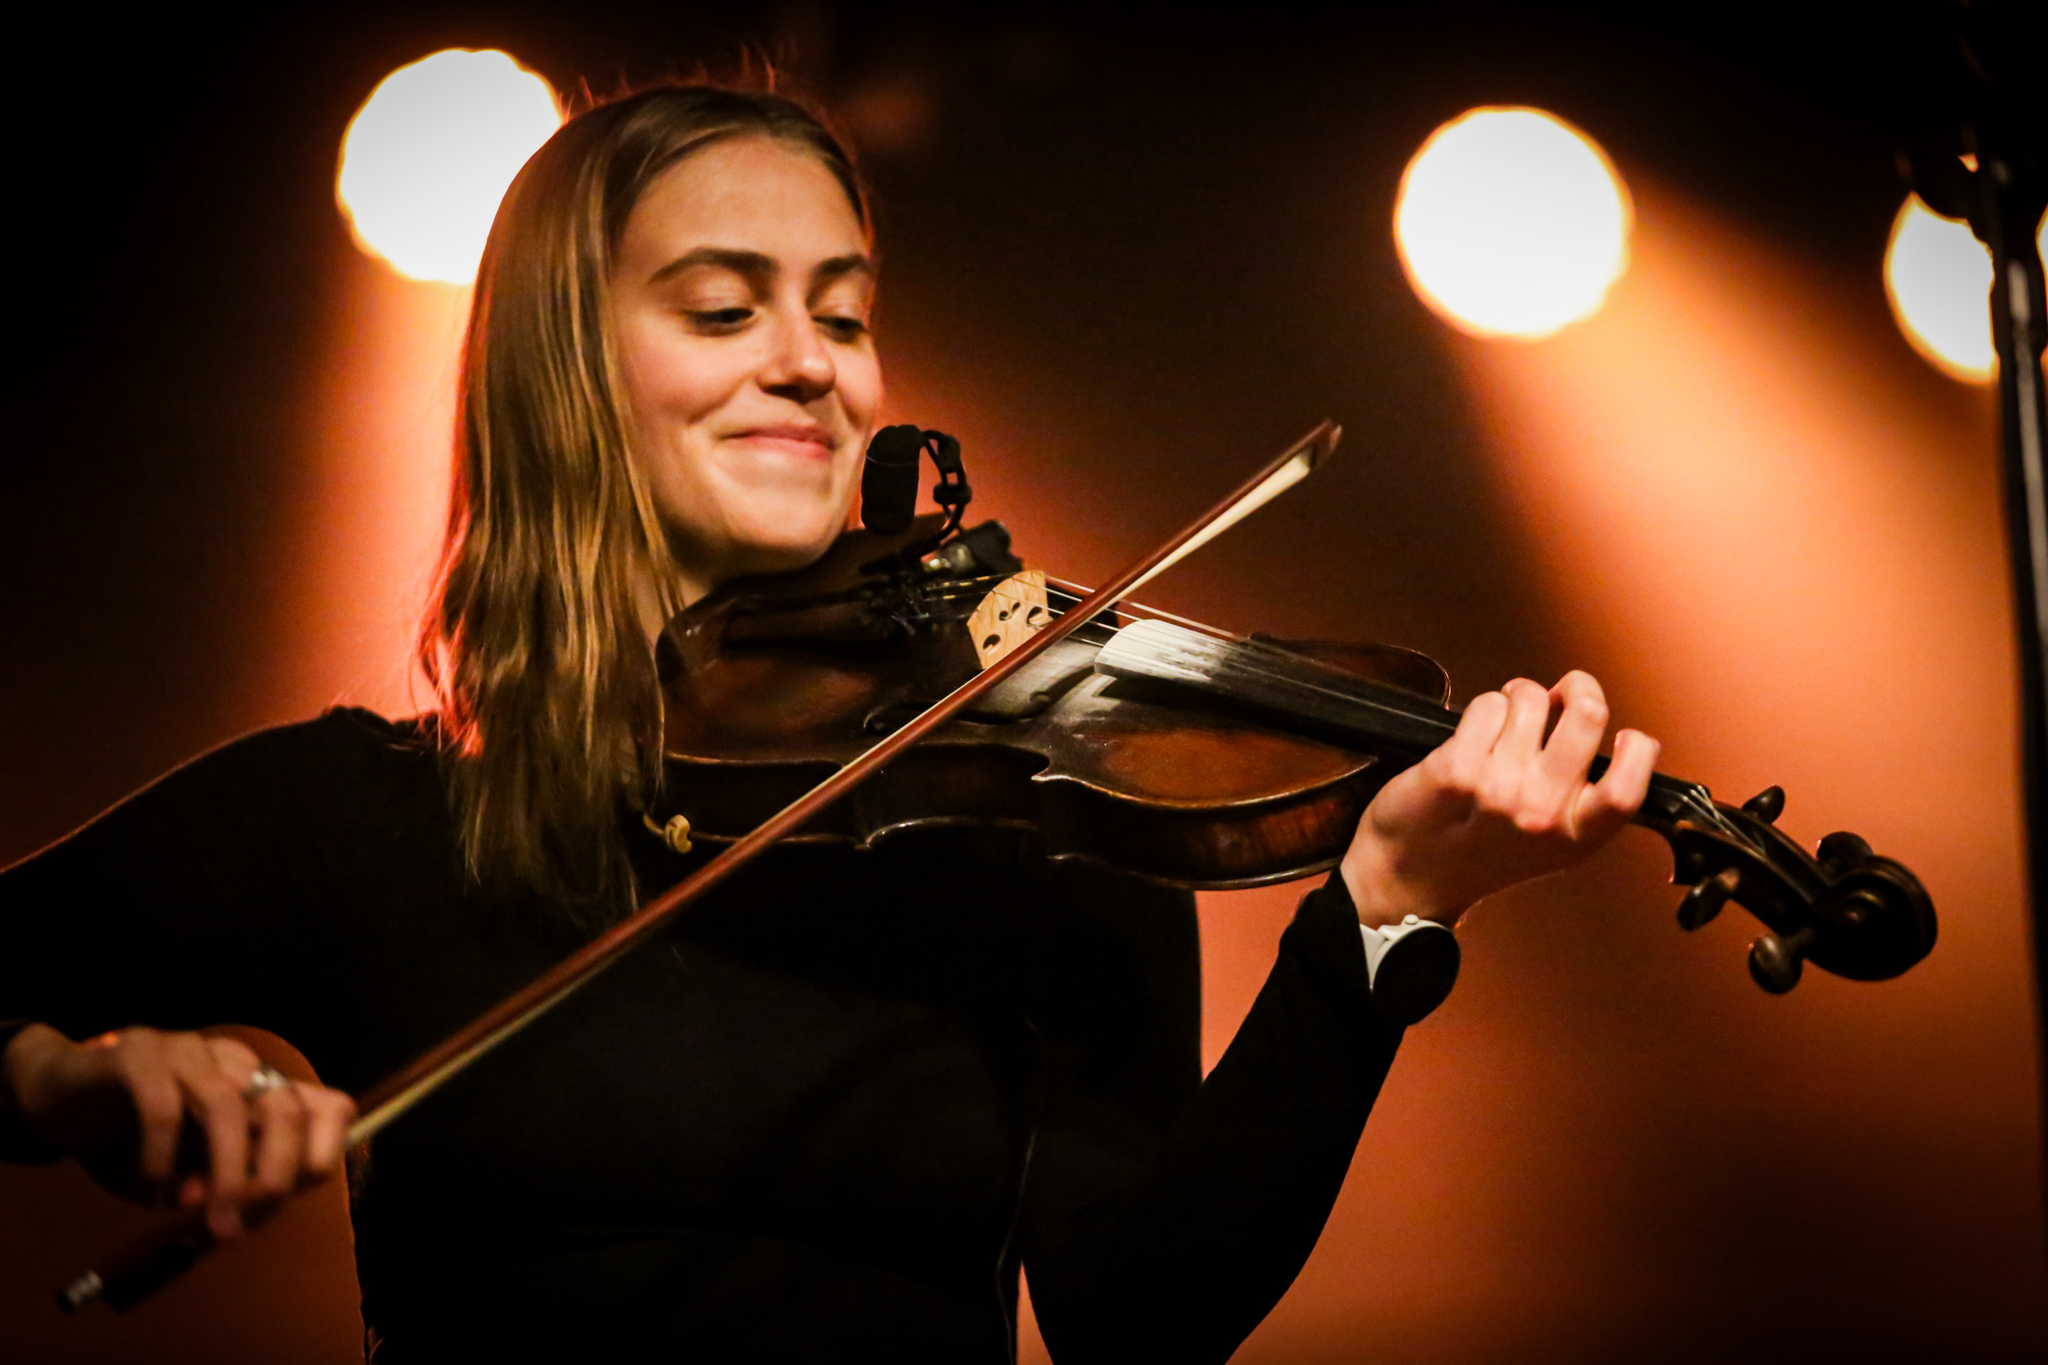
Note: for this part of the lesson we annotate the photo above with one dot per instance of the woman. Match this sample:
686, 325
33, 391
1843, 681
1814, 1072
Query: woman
838, 1105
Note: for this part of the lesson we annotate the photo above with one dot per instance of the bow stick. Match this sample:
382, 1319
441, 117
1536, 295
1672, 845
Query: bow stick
140, 1269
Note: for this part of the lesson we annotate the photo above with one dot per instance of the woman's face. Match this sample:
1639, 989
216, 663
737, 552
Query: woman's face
741, 295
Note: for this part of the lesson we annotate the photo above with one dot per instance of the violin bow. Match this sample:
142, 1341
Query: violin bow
131, 1275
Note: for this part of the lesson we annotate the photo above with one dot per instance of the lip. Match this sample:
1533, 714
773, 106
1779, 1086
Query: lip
794, 438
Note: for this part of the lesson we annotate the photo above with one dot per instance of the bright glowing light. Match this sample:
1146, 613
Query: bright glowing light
1938, 277
1511, 222
431, 152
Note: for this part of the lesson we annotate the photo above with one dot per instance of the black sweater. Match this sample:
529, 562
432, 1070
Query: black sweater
823, 1117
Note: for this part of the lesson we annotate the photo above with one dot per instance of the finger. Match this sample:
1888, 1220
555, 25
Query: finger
1605, 806
141, 1061
275, 1126
1464, 753
1443, 786
233, 1056
215, 1099
1528, 716
1581, 725
1627, 779
281, 1119
329, 1113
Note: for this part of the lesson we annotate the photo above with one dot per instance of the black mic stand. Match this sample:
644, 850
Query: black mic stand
1982, 159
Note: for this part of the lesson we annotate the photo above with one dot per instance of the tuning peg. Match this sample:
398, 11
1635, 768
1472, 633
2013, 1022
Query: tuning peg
1775, 960
1767, 805
1705, 900
1841, 851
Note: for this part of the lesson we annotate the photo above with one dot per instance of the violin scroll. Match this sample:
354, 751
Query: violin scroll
1844, 908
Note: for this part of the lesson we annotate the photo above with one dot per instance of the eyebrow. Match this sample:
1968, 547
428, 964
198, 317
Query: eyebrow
754, 265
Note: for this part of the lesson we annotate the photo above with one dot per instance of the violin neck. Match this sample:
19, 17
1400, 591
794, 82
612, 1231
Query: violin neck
1307, 696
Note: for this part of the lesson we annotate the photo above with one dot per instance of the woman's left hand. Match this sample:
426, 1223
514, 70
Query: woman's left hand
1497, 803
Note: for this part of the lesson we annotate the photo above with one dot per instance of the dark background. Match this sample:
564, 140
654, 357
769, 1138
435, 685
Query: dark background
1127, 253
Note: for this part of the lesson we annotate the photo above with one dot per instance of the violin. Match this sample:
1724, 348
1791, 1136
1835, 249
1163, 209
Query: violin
920, 676
1150, 743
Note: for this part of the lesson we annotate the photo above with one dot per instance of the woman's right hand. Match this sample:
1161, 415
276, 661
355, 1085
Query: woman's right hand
125, 1104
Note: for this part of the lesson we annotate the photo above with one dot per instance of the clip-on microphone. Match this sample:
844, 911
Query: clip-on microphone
888, 483
888, 500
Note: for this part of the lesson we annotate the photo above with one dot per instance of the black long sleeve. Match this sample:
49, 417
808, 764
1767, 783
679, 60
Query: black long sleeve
1174, 1243
797, 1126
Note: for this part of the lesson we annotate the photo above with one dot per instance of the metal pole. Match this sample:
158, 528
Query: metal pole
1979, 152
2010, 207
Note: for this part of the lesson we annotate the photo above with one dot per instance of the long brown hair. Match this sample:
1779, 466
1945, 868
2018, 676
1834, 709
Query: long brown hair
548, 713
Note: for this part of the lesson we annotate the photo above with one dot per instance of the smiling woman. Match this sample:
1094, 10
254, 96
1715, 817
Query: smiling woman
705, 244
848, 1096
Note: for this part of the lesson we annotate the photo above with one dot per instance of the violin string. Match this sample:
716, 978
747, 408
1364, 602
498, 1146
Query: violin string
1260, 663
1062, 597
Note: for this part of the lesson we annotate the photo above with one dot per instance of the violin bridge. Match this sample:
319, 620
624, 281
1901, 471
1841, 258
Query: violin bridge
1014, 610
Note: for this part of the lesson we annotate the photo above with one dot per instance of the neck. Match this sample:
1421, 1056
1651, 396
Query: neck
693, 571
653, 607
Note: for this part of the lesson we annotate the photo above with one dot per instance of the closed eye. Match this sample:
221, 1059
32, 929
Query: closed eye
842, 329
717, 320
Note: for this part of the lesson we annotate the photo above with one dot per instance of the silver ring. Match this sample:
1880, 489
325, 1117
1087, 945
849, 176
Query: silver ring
262, 1081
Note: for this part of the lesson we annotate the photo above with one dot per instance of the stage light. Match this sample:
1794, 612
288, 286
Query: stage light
1938, 277
1511, 222
431, 152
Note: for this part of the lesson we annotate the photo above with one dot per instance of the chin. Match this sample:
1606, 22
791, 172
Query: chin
789, 544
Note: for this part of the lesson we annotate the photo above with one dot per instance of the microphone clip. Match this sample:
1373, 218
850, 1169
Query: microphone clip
888, 502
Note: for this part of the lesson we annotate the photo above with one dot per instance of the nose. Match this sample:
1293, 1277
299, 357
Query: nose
799, 365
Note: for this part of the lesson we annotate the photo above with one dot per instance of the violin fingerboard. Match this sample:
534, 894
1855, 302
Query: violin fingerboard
1290, 689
